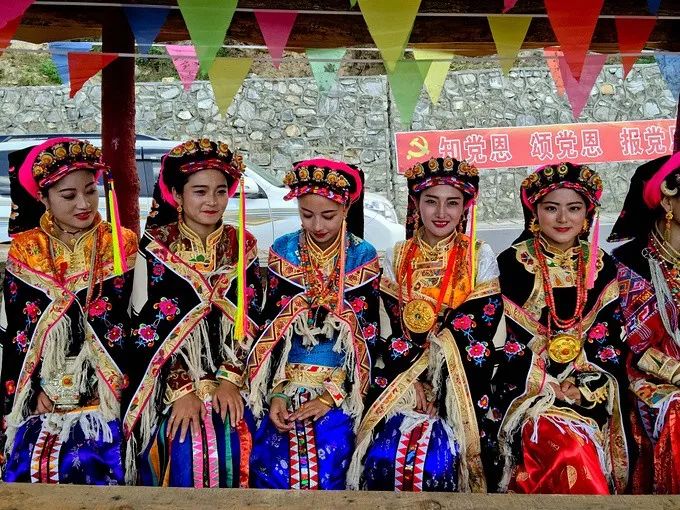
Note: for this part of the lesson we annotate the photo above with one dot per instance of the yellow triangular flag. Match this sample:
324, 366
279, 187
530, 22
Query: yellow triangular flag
390, 23
438, 71
508, 33
226, 76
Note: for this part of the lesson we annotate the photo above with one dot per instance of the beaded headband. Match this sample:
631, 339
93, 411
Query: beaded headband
449, 171
335, 180
195, 155
48, 162
547, 179
652, 190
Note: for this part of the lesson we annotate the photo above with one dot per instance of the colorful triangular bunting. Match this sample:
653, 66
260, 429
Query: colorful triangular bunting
578, 91
508, 4
59, 52
10, 10
406, 82
325, 64
633, 34
440, 63
508, 34
552, 56
145, 23
390, 24
352, 3
670, 70
226, 77
7, 32
574, 23
83, 66
207, 22
185, 61
276, 27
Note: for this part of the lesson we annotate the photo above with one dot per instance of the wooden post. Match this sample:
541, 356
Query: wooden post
118, 115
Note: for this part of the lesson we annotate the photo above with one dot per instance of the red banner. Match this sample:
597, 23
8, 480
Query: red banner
534, 146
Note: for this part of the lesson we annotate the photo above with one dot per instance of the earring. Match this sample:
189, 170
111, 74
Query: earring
534, 227
179, 210
586, 226
667, 229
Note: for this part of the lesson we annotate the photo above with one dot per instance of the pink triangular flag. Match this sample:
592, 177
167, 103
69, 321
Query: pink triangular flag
574, 23
12, 9
83, 66
552, 54
508, 4
7, 32
276, 27
578, 91
185, 61
633, 34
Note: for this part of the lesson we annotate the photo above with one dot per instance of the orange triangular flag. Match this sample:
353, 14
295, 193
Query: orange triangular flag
83, 66
633, 34
7, 32
552, 56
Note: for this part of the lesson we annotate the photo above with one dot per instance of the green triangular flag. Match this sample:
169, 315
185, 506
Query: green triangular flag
406, 82
440, 61
352, 3
207, 22
325, 64
226, 77
508, 34
390, 23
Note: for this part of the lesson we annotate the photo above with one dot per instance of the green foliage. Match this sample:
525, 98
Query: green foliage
49, 71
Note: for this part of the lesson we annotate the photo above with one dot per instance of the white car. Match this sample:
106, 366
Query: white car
268, 216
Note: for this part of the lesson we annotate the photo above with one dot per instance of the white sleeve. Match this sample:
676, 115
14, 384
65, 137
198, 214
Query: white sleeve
140, 285
487, 266
388, 265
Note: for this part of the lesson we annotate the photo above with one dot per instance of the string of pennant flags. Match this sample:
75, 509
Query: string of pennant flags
573, 67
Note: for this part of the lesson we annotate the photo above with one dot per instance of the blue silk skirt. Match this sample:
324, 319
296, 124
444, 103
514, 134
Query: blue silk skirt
418, 455
312, 456
216, 456
81, 455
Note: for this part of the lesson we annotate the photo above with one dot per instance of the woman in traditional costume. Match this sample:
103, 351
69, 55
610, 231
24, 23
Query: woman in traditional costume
310, 369
426, 427
561, 381
649, 281
64, 319
196, 300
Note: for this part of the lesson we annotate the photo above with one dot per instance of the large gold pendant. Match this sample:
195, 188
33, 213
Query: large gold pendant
419, 316
564, 348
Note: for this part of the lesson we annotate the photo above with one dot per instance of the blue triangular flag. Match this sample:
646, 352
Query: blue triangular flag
145, 23
670, 70
59, 52
653, 6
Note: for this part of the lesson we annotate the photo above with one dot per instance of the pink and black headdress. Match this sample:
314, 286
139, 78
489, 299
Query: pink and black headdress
335, 180
184, 160
580, 178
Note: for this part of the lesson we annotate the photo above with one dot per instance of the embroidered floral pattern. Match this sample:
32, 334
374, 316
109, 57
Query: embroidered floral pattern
115, 335
13, 289
358, 304
477, 352
483, 402
381, 381
513, 348
31, 311
369, 331
99, 308
21, 340
10, 387
157, 272
167, 308
283, 301
489, 311
146, 335
400, 347
609, 353
598, 332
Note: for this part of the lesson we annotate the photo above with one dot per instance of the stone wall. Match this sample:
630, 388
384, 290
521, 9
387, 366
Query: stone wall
281, 121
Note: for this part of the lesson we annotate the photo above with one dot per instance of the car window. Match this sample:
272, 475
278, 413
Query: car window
4, 175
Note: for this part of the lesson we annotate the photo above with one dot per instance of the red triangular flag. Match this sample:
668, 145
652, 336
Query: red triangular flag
83, 66
633, 34
7, 32
578, 91
276, 27
508, 4
574, 23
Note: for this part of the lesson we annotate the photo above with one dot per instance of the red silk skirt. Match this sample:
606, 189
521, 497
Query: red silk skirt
560, 462
667, 453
